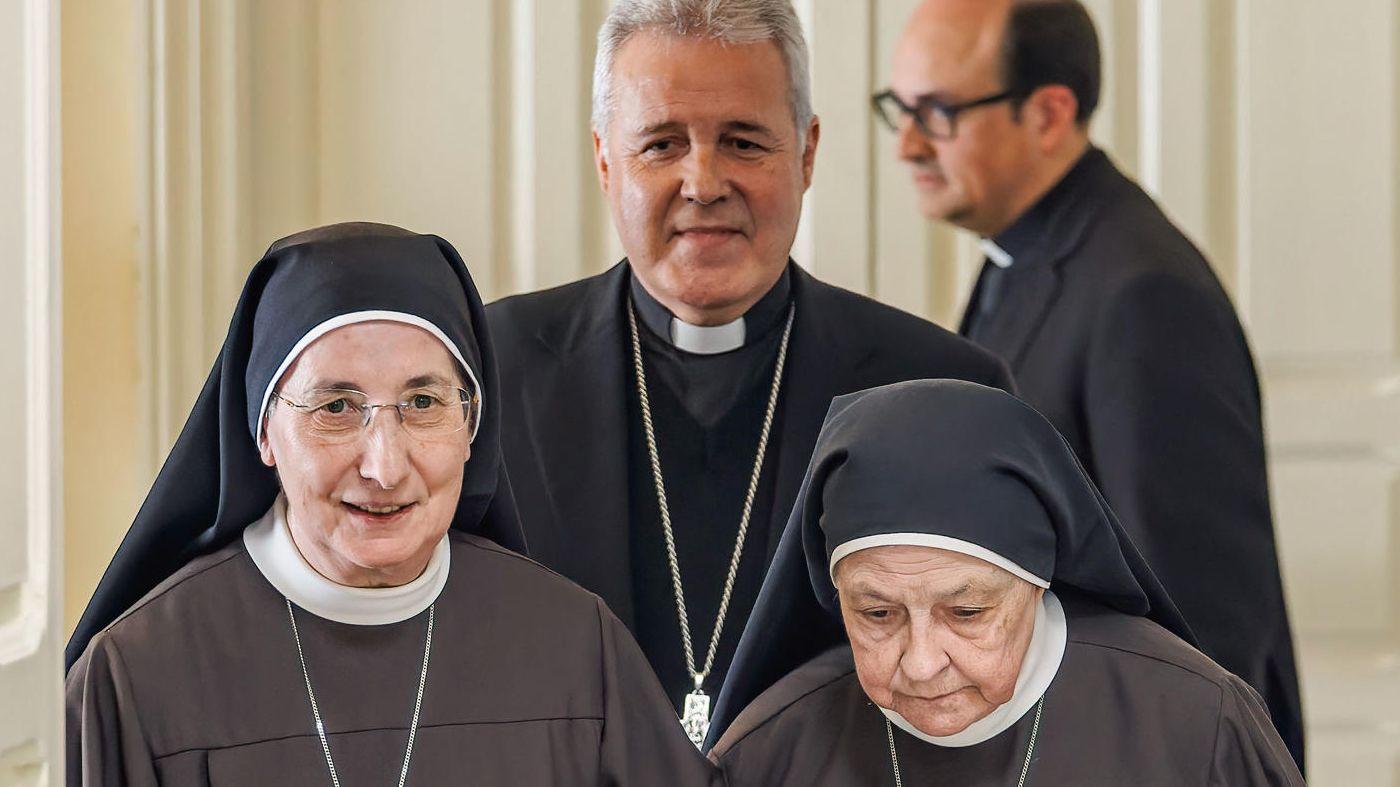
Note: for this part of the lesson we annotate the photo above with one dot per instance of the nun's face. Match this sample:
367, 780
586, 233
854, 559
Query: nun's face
370, 511
938, 636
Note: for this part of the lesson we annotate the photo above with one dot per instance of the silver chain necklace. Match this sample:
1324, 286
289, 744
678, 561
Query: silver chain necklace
316, 711
1025, 768
695, 718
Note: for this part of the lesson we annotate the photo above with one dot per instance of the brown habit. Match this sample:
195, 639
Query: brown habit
1130, 705
532, 681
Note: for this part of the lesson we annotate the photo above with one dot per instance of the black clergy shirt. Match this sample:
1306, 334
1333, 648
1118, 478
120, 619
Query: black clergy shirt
708, 412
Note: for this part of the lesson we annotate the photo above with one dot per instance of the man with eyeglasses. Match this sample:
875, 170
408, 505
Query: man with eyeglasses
1111, 320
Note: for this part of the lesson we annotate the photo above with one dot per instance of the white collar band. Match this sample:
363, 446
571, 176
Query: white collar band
707, 339
1000, 257
1038, 669
269, 543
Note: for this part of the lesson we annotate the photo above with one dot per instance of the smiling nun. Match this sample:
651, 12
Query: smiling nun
318, 588
996, 625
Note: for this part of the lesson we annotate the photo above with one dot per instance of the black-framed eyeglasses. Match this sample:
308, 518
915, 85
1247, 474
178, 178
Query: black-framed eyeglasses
338, 415
934, 118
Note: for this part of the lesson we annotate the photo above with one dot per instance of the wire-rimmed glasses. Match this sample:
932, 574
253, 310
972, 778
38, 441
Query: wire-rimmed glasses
341, 415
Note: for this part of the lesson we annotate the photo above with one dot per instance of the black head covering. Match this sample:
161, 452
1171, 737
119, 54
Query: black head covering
213, 484
937, 457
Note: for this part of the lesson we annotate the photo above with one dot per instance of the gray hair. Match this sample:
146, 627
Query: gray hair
726, 21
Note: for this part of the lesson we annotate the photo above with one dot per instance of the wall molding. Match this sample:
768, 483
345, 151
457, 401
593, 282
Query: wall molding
196, 212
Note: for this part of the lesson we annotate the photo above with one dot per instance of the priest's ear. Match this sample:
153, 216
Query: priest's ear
813, 134
600, 159
1050, 116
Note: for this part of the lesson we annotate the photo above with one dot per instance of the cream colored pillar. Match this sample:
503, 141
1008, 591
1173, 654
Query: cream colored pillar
31, 623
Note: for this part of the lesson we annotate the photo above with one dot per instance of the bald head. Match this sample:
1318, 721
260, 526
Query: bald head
952, 39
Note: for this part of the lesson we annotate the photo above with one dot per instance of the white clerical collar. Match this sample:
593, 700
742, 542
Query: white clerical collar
1038, 669
1000, 257
269, 543
707, 339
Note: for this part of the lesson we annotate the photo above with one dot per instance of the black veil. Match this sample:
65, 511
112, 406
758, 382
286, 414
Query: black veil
213, 484
945, 458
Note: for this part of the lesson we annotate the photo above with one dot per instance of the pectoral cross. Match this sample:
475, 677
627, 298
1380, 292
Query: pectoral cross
696, 718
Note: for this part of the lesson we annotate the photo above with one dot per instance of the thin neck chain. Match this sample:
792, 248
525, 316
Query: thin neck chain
1025, 767
316, 710
699, 675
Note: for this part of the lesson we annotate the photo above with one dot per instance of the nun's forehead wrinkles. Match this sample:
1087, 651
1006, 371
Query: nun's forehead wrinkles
929, 573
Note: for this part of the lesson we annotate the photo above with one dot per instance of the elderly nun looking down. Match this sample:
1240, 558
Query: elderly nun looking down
999, 626
317, 589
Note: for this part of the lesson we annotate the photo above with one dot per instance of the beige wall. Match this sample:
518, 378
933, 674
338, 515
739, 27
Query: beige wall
103, 416
1269, 129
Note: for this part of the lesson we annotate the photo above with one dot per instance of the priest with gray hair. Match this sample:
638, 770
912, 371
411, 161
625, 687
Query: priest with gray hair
661, 414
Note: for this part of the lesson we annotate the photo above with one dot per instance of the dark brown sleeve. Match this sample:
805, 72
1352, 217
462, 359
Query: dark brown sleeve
643, 744
105, 743
1248, 750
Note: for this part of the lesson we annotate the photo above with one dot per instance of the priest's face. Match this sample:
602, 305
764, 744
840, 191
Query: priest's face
704, 170
367, 512
938, 636
951, 52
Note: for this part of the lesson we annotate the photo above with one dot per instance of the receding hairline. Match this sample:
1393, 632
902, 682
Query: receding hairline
740, 122
724, 21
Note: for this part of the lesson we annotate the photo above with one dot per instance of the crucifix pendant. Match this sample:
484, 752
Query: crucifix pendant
696, 718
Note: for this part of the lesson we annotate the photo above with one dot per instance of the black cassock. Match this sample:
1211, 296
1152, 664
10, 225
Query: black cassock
1131, 705
575, 451
1119, 333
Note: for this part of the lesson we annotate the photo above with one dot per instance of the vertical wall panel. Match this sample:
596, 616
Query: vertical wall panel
1117, 124
1316, 162
552, 153
1323, 568
13, 173
838, 215
109, 459
1185, 120
284, 159
172, 274
404, 94
225, 146
601, 247
1320, 177
31, 728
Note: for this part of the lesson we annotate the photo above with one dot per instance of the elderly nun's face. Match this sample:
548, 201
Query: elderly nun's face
367, 512
938, 636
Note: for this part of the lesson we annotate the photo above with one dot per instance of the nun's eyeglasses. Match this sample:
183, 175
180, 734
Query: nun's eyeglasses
934, 118
340, 415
